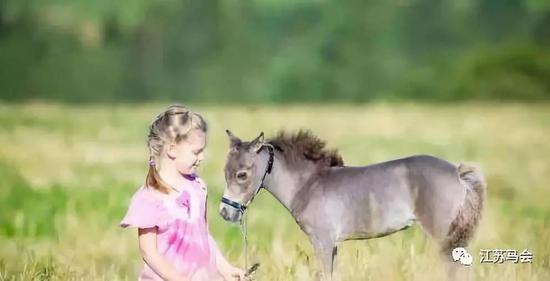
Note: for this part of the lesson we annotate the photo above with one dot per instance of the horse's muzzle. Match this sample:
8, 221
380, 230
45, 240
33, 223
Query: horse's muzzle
230, 214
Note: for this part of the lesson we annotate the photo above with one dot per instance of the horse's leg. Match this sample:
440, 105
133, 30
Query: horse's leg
452, 220
454, 269
447, 241
326, 254
334, 271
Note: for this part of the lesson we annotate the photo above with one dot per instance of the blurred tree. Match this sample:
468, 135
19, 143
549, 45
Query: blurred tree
273, 51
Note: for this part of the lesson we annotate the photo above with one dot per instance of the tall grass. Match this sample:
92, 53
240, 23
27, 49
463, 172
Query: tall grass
67, 174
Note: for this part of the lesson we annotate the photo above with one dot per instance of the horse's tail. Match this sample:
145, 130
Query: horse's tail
464, 225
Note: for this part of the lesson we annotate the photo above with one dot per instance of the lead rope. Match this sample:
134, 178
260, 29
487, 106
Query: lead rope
245, 240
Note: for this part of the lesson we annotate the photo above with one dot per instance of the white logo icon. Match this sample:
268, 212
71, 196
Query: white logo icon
460, 254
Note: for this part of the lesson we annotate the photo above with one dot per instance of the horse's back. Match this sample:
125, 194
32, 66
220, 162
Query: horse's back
388, 195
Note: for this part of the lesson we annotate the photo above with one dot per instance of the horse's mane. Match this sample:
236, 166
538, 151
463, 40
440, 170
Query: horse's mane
304, 145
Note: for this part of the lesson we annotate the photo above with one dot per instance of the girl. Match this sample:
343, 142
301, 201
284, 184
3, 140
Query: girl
170, 209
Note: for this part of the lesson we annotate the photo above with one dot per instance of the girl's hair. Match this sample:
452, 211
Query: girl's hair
170, 127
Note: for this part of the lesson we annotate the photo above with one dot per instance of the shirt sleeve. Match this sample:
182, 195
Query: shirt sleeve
145, 210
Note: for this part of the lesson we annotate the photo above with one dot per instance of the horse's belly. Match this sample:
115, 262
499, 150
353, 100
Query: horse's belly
378, 225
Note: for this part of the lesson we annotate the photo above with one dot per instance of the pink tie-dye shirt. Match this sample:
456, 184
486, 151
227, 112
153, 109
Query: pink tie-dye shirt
182, 231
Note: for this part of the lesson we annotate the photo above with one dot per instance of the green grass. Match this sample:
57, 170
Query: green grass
67, 174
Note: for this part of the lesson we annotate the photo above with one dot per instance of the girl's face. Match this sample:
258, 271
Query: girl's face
188, 154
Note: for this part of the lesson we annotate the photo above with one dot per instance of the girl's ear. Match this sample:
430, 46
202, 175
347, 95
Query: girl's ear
171, 151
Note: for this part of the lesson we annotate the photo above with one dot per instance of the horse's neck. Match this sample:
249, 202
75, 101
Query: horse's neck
285, 182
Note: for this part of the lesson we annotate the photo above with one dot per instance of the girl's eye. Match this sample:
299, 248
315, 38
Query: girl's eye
242, 175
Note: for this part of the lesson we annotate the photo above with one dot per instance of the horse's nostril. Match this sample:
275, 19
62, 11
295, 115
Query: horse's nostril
223, 213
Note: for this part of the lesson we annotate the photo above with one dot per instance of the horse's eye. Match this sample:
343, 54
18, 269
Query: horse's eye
242, 175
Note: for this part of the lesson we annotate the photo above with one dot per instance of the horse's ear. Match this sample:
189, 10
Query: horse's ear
258, 142
233, 140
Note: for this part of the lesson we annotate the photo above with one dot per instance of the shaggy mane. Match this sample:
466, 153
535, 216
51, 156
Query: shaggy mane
303, 144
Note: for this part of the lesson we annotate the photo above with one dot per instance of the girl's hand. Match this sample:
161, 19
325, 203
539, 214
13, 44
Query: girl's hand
233, 274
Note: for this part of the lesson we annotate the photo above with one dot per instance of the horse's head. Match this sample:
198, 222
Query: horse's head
245, 169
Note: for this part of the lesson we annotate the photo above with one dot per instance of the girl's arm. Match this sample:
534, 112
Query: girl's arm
221, 262
228, 271
148, 249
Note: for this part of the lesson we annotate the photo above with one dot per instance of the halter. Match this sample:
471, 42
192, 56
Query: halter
242, 207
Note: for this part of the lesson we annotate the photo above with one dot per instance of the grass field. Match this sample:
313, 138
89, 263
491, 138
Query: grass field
67, 174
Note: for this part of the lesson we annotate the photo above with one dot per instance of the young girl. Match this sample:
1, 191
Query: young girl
170, 209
